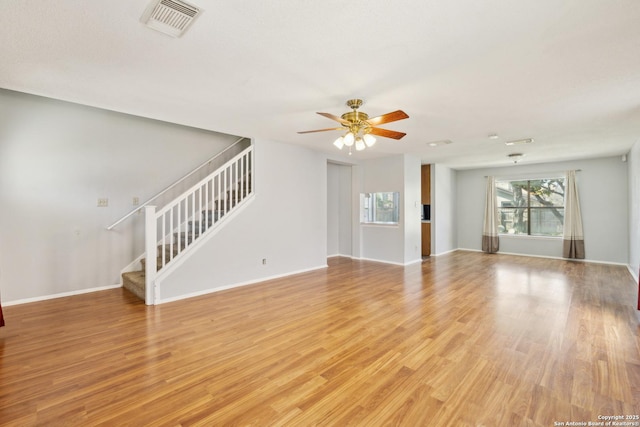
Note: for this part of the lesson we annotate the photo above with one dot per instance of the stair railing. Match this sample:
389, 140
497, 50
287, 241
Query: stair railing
173, 229
178, 182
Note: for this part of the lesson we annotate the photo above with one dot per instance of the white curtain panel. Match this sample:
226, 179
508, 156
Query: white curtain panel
573, 237
490, 239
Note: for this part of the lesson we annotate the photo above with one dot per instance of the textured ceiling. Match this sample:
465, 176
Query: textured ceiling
566, 73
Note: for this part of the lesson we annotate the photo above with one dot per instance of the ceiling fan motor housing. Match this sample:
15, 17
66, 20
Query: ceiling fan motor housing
355, 116
354, 103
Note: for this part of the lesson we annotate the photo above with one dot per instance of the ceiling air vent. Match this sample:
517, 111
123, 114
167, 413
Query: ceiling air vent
171, 17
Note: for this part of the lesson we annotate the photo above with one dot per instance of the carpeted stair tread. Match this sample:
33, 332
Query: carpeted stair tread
143, 261
134, 282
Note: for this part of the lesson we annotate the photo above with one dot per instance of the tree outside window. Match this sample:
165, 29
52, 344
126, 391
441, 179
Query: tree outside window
379, 208
531, 207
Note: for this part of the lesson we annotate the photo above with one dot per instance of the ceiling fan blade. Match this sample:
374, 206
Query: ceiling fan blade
336, 118
320, 130
387, 133
388, 118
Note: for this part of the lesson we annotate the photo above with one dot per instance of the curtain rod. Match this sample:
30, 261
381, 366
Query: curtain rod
524, 175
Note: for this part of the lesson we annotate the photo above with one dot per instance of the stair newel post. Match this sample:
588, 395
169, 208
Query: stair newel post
150, 246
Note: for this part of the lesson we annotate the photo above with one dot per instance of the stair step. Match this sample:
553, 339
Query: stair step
167, 248
143, 261
134, 282
199, 226
185, 237
212, 214
224, 204
238, 194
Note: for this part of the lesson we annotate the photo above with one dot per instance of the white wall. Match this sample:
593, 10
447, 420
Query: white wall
633, 159
333, 209
339, 210
399, 244
382, 242
412, 209
56, 160
602, 186
444, 229
345, 211
284, 224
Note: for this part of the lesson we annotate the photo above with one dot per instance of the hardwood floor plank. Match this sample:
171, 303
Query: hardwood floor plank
461, 339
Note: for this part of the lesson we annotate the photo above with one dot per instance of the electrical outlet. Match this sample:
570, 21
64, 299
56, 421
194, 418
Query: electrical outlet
264, 261
103, 203
136, 201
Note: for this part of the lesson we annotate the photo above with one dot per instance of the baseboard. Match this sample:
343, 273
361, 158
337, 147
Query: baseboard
60, 295
591, 261
634, 274
415, 261
339, 255
251, 282
383, 261
236, 285
446, 252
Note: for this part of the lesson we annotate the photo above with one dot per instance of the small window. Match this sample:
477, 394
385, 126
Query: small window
531, 207
379, 208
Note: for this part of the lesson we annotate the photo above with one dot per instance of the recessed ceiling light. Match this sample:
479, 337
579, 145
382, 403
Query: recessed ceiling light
438, 143
519, 141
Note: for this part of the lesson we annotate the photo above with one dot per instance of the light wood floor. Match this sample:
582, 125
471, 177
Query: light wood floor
465, 339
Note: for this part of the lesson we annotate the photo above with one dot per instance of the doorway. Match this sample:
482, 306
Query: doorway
339, 210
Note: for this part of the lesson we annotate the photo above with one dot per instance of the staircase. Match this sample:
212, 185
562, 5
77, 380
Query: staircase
177, 228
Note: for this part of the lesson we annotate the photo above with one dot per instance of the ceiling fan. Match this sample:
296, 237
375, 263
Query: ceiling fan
360, 128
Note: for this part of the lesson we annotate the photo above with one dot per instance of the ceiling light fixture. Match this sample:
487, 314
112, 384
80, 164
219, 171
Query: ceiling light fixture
493, 136
519, 141
516, 157
360, 128
439, 143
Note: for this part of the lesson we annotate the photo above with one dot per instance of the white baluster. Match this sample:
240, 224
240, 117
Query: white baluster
171, 236
163, 260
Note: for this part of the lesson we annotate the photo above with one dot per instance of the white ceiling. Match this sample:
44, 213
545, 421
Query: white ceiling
566, 73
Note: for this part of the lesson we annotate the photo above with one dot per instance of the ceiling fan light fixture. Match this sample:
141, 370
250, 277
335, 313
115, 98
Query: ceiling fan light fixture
359, 127
369, 139
349, 139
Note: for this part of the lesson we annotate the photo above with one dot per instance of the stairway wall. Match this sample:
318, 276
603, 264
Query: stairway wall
56, 160
285, 224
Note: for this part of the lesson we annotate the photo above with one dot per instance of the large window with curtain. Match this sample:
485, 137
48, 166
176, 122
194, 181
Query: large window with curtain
531, 207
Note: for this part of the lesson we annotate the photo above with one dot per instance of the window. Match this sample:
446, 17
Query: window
531, 207
379, 208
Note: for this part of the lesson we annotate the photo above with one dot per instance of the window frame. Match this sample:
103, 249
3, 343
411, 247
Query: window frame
371, 216
530, 208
